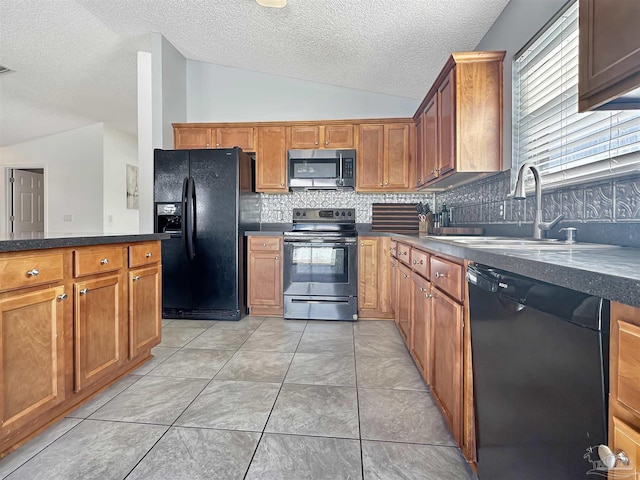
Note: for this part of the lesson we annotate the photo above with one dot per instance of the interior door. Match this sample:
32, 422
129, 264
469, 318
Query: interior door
27, 201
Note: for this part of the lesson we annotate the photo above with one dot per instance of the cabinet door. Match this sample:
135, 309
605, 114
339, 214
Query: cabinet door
304, 136
609, 50
98, 329
420, 167
32, 360
397, 157
265, 279
446, 375
430, 144
370, 160
271, 161
393, 287
145, 315
404, 303
625, 439
446, 125
339, 136
421, 320
192, 137
373, 277
243, 137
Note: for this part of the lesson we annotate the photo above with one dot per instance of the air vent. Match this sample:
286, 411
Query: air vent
4, 70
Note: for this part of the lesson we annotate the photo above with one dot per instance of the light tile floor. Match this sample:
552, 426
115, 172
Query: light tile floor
262, 398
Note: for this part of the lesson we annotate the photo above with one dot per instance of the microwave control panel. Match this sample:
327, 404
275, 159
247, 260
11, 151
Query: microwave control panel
347, 167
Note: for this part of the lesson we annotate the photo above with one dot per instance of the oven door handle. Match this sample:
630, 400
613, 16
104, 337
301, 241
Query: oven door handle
307, 243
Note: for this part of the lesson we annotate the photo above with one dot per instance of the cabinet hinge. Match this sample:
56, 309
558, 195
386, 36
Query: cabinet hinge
12, 218
12, 179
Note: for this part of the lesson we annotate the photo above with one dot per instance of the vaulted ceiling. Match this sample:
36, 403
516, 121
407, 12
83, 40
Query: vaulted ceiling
75, 60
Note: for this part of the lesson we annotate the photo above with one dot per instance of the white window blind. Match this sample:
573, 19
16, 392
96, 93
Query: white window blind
566, 146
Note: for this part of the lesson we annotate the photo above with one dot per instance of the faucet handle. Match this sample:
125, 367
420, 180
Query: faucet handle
570, 233
551, 224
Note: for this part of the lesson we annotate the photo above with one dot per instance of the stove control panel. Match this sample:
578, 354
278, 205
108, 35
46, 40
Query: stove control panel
318, 215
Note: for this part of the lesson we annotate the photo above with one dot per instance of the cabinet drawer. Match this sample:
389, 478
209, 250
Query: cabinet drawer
393, 248
144, 254
265, 243
420, 262
96, 260
447, 276
628, 378
19, 272
403, 252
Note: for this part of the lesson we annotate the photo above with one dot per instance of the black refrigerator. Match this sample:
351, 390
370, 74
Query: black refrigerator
206, 200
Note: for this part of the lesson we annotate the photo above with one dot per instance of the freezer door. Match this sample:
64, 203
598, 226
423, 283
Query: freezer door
170, 169
215, 266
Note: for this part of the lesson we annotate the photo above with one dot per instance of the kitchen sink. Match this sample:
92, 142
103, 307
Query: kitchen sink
510, 243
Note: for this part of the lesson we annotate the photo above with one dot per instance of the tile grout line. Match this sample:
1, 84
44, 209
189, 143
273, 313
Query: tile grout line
272, 407
355, 368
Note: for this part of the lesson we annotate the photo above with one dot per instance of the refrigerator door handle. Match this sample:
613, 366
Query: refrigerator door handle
185, 182
191, 218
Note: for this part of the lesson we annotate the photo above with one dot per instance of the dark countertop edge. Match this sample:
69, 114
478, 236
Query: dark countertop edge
76, 240
591, 280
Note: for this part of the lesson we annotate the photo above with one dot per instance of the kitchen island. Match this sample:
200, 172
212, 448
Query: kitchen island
77, 312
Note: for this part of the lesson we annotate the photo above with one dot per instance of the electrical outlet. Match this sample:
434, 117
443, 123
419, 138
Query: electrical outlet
67, 218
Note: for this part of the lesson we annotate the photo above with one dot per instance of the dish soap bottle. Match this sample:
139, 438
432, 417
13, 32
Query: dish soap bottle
444, 216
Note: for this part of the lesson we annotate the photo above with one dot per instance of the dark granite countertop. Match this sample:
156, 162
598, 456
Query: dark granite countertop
8, 243
609, 272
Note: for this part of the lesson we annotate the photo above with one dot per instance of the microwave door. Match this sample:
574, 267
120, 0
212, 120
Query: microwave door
314, 173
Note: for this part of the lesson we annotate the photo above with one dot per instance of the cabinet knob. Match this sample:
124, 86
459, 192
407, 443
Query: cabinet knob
149, 255
62, 296
33, 273
104, 261
277, 258
440, 275
428, 295
386, 183
433, 172
84, 291
208, 145
136, 278
217, 144
264, 244
422, 289
281, 184
315, 143
326, 142
405, 275
609, 458
380, 184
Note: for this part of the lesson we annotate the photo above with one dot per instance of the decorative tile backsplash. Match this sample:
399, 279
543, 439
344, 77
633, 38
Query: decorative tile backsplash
486, 201
277, 208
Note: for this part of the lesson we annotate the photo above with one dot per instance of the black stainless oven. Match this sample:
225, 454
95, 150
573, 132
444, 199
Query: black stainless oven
321, 265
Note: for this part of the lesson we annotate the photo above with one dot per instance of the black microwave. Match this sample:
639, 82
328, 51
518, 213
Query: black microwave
322, 169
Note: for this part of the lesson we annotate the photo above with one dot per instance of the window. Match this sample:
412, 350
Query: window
566, 146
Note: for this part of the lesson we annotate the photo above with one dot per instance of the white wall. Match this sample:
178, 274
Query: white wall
517, 24
174, 91
145, 141
224, 94
73, 177
120, 149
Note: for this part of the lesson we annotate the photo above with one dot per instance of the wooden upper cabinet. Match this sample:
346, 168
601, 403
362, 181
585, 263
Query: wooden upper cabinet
384, 158
461, 119
321, 136
609, 51
397, 157
271, 160
446, 125
229, 137
186, 137
370, 157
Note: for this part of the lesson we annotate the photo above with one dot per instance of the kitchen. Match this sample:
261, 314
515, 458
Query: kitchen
490, 189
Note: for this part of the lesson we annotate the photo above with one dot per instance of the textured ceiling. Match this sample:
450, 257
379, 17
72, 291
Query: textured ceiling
75, 61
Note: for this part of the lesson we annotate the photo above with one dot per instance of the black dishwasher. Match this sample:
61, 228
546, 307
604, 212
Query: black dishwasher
540, 358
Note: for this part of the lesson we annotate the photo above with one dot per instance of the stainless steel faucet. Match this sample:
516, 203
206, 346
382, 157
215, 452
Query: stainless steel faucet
539, 227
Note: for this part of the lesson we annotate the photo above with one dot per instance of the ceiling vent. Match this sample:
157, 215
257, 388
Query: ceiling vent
4, 70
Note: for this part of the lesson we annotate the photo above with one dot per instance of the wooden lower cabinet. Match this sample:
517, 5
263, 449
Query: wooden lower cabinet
625, 439
145, 309
403, 305
374, 289
447, 356
32, 360
421, 320
100, 329
264, 276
